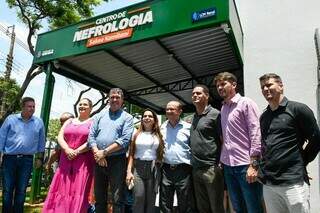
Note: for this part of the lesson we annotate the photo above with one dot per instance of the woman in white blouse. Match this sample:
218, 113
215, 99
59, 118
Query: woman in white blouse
146, 152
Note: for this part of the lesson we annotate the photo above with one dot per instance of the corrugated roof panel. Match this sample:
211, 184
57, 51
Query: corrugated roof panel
185, 37
154, 61
160, 100
186, 94
108, 68
203, 51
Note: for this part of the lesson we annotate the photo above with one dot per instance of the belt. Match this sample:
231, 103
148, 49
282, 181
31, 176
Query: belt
175, 166
144, 161
116, 156
19, 155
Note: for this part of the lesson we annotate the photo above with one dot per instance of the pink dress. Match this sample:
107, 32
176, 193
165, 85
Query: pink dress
70, 186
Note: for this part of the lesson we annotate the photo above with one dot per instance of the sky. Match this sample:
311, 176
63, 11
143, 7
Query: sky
65, 91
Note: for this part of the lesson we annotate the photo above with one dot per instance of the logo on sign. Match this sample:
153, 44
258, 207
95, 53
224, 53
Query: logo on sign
114, 27
44, 53
204, 14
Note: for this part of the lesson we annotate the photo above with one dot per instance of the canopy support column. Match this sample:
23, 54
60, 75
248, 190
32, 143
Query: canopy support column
45, 114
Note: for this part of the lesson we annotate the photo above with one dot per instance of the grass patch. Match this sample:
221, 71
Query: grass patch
32, 208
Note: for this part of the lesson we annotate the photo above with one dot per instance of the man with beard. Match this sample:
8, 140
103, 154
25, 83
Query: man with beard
241, 145
291, 140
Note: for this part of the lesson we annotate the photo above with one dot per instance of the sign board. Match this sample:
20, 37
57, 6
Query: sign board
150, 19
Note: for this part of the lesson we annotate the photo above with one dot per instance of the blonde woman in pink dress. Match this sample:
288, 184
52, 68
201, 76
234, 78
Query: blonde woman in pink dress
71, 183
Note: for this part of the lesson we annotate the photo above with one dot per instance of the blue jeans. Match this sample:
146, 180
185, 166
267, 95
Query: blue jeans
244, 196
16, 174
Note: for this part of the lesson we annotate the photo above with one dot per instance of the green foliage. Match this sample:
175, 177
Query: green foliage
57, 13
53, 129
34, 14
134, 108
11, 89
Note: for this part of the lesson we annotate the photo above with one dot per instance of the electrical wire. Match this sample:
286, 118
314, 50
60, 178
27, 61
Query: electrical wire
17, 39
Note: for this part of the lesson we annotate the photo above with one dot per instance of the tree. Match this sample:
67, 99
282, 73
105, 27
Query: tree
102, 101
53, 129
57, 13
12, 89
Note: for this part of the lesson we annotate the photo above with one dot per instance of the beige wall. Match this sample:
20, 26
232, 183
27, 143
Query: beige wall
279, 37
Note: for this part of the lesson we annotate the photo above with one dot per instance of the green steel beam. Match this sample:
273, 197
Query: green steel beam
45, 114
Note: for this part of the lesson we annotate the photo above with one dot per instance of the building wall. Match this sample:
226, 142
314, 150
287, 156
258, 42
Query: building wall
279, 37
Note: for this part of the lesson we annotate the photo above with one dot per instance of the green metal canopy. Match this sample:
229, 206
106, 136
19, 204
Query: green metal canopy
155, 51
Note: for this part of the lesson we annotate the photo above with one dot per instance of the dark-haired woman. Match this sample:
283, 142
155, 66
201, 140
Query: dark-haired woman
146, 152
71, 183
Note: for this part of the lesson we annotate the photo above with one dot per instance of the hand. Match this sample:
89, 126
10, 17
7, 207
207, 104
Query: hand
71, 153
94, 149
98, 155
102, 162
252, 174
129, 177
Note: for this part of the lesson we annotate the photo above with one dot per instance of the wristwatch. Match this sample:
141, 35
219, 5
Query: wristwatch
255, 163
105, 152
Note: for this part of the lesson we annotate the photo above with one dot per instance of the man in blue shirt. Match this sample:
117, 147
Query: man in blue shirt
21, 136
176, 170
109, 138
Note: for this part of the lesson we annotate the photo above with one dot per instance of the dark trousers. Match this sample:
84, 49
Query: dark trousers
128, 196
113, 175
176, 178
209, 186
16, 174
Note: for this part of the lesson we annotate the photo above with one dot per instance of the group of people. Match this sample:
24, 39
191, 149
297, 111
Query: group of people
260, 159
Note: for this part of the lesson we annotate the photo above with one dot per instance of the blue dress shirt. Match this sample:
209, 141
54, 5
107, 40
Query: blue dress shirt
177, 143
18, 136
111, 127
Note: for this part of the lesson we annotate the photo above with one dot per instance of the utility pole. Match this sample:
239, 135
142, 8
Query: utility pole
7, 73
10, 55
